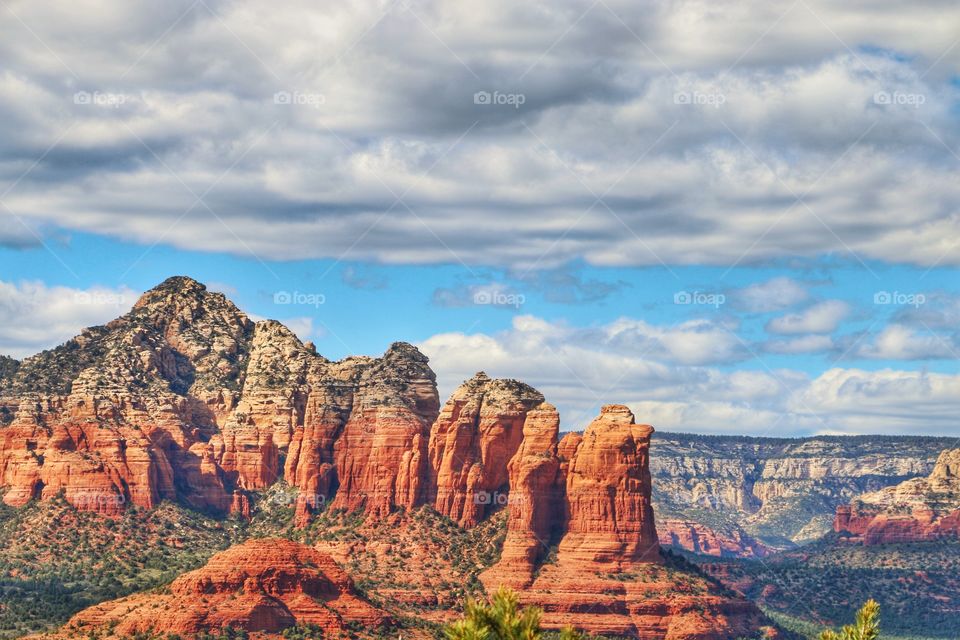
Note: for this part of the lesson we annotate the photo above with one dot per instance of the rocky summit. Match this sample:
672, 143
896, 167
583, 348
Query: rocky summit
185, 399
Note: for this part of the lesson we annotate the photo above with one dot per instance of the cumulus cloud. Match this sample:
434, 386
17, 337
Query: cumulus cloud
395, 131
886, 401
35, 316
580, 375
898, 342
823, 317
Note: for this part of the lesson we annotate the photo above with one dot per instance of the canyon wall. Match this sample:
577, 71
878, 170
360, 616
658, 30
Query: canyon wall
744, 496
918, 510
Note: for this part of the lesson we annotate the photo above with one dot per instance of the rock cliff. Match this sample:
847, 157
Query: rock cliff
608, 576
748, 496
184, 398
473, 440
917, 510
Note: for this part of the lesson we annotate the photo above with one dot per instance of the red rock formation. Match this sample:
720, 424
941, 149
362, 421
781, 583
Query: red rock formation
917, 510
610, 518
263, 585
381, 455
699, 538
477, 433
535, 504
609, 577
184, 398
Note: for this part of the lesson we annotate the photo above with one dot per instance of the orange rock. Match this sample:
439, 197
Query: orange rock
476, 435
263, 585
184, 398
535, 504
610, 517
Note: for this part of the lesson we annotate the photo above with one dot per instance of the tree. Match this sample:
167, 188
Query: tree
865, 627
501, 619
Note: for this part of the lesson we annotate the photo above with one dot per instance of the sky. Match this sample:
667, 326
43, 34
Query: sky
735, 217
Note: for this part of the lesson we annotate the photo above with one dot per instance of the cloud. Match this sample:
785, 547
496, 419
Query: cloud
823, 317
381, 152
578, 375
940, 310
899, 342
35, 316
886, 401
566, 285
773, 295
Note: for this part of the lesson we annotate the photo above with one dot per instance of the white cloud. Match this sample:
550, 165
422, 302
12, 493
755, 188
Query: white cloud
886, 401
397, 117
898, 342
579, 375
823, 317
34, 316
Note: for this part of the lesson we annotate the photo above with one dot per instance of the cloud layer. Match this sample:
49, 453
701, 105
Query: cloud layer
523, 136
667, 388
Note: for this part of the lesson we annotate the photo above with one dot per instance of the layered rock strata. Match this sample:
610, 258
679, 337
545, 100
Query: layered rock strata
918, 510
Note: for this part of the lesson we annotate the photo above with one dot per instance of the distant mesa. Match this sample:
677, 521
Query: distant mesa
917, 510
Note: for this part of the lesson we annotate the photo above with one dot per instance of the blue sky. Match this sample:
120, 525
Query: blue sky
354, 307
741, 219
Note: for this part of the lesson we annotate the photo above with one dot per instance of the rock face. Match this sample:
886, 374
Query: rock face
608, 576
703, 540
918, 510
609, 514
184, 398
749, 495
536, 510
477, 434
263, 585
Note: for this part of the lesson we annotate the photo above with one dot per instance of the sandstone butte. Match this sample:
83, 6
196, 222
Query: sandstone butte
608, 567
263, 585
916, 510
185, 398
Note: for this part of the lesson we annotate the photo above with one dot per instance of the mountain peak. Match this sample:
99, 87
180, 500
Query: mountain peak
179, 286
